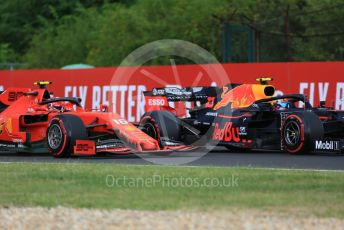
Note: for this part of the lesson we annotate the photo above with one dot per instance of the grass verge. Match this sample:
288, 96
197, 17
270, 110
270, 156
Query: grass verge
167, 188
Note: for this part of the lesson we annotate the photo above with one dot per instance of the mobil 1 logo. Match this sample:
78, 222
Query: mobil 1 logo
327, 145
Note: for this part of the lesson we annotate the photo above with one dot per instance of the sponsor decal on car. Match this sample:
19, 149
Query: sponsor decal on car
212, 114
108, 146
156, 101
84, 147
197, 122
326, 145
242, 131
13, 96
197, 89
176, 91
17, 140
227, 133
7, 145
158, 91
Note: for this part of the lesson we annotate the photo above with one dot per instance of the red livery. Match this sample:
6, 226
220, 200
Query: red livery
36, 121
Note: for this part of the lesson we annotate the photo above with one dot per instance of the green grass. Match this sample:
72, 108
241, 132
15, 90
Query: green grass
85, 185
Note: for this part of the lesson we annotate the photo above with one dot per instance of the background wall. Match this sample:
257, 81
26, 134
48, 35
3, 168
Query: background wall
123, 92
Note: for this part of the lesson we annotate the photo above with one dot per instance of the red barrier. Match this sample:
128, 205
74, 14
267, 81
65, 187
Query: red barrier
319, 80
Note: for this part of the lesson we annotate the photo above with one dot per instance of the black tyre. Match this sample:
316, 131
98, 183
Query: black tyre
62, 133
300, 130
161, 125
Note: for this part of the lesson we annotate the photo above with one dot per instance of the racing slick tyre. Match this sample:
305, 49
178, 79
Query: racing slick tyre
62, 133
161, 125
299, 132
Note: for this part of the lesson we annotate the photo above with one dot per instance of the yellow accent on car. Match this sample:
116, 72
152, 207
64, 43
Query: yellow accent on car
42, 82
264, 80
8, 125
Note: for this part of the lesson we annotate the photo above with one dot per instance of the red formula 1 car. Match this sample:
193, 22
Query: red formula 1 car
34, 121
243, 116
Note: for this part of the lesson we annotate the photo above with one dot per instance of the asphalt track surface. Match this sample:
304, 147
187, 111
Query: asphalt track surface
218, 157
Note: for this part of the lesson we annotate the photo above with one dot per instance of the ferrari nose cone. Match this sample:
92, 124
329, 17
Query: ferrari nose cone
149, 145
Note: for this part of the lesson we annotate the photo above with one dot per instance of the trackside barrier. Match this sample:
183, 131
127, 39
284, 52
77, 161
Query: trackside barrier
320, 81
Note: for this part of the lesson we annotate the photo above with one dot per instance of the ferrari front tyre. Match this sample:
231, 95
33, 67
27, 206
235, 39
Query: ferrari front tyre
300, 130
62, 133
161, 125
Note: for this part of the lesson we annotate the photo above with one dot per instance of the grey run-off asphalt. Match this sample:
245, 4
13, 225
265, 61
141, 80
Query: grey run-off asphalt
218, 157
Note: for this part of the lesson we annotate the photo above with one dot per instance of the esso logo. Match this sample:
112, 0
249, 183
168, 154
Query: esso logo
159, 102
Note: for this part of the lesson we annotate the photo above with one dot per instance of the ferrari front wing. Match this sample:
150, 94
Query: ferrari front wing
115, 146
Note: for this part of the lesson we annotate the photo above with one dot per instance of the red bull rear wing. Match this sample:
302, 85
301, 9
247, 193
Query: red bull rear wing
233, 95
163, 98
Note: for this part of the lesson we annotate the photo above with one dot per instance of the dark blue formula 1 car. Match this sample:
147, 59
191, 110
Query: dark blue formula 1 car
245, 116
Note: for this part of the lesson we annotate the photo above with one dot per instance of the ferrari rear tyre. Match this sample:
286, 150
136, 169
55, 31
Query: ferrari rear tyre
300, 130
62, 133
161, 125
